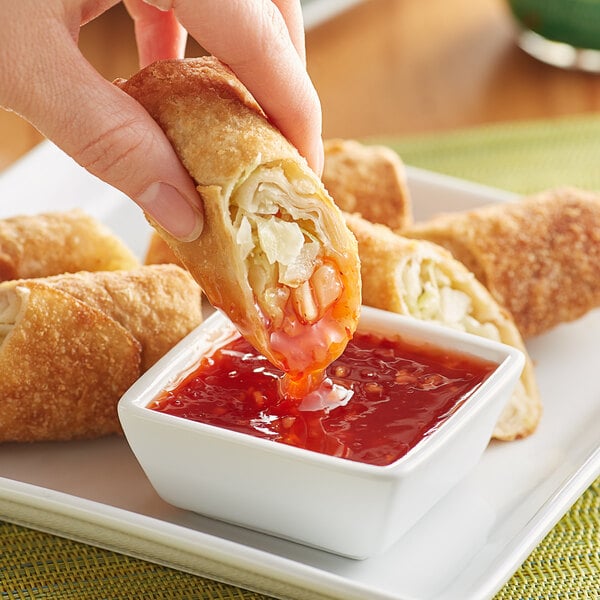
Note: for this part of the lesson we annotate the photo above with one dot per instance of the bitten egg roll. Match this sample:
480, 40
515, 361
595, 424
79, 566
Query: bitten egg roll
60, 242
369, 180
539, 257
71, 345
422, 280
274, 254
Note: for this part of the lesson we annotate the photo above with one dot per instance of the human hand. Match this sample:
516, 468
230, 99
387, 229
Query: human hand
51, 84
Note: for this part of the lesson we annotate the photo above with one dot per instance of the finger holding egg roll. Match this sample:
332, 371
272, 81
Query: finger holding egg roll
274, 254
539, 257
71, 345
60, 242
422, 280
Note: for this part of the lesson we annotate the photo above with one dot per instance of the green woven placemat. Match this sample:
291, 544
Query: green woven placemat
521, 157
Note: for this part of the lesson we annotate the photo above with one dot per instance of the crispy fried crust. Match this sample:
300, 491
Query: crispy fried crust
158, 304
385, 260
63, 369
213, 122
159, 252
369, 180
71, 345
61, 242
222, 137
539, 257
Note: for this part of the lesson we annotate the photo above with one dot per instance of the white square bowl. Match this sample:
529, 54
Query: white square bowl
342, 506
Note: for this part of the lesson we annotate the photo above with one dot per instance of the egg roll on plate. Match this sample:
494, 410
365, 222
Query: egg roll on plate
159, 252
60, 242
539, 257
274, 254
71, 345
422, 280
369, 180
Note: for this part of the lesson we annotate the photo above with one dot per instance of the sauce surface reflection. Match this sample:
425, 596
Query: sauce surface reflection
388, 395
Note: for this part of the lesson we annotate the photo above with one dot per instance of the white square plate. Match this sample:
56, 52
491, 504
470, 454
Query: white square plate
467, 546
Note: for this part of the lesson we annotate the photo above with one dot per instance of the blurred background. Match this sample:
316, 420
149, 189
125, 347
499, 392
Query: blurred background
387, 68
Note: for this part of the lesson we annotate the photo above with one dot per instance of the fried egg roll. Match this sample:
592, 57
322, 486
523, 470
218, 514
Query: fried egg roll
71, 345
274, 254
369, 180
158, 304
159, 252
61, 242
539, 257
422, 280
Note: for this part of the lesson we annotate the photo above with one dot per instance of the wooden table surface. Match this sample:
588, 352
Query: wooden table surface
387, 67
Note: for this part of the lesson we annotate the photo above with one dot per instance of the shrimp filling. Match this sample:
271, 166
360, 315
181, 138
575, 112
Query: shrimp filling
286, 243
292, 265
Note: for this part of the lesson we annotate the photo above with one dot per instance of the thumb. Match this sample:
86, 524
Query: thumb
114, 138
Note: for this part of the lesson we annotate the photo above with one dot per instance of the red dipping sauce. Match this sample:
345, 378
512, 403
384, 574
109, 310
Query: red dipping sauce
399, 393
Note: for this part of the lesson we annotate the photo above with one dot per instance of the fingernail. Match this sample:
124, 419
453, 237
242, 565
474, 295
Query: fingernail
171, 211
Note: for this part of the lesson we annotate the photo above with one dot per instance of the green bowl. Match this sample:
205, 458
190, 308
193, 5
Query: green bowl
573, 22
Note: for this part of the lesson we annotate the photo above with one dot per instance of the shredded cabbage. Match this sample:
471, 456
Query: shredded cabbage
281, 241
10, 306
428, 295
276, 218
244, 237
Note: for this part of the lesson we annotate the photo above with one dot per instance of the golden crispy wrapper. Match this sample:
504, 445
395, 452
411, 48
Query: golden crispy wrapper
159, 252
71, 345
61, 242
369, 180
63, 367
274, 254
422, 280
539, 257
158, 305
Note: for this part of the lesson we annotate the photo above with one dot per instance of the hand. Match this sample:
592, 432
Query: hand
44, 77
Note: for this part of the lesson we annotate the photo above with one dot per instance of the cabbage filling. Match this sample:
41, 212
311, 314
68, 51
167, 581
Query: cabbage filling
428, 295
10, 307
276, 213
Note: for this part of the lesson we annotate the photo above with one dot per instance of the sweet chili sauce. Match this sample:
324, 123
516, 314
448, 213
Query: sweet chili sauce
398, 392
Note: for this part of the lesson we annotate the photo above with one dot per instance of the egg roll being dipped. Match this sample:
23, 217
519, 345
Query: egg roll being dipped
274, 254
71, 345
539, 257
422, 280
60, 242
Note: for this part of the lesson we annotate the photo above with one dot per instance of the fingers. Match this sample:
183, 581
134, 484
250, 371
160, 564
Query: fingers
158, 33
112, 135
107, 132
291, 11
252, 38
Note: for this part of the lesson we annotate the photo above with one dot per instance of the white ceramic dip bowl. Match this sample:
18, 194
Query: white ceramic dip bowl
343, 506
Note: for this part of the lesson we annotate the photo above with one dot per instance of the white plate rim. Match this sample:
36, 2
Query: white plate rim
237, 564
